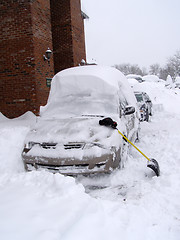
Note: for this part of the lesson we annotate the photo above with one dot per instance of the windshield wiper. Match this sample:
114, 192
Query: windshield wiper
91, 115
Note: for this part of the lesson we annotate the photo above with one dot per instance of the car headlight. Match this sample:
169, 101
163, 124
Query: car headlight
29, 145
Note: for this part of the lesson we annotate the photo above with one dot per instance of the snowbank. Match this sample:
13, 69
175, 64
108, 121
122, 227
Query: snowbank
135, 76
11, 145
151, 78
132, 81
161, 96
128, 204
2, 117
12, 135
177, 80
28, 119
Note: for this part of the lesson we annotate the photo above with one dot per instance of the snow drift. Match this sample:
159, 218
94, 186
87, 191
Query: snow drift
129, 204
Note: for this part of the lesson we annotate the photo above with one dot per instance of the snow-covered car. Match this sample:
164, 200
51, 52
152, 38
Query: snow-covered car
68, 138
177, 82
138, 78
145, 105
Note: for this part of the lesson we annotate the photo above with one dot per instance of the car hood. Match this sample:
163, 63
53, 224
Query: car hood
76, 129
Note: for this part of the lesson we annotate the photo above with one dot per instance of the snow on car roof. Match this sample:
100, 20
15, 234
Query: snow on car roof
133, 76
84, 79
87, 90
151, 78
177, 80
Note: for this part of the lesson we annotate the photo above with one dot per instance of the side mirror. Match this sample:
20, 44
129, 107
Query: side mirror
129, 110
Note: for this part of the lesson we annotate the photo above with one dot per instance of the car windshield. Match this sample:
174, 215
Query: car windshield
139, 97
78, 105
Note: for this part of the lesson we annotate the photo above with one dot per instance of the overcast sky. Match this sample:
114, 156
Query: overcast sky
140, 32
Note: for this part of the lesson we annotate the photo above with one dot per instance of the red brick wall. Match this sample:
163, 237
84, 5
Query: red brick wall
25, 35
68, 33
16, 62
61, 34
26, 31
42, 39
78, 38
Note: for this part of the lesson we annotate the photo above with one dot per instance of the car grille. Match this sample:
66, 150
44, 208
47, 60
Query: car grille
66, 146
48, 145
74, 146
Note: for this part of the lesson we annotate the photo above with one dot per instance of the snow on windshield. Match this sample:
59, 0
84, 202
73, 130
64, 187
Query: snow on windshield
79, 105
87, 90
129, 203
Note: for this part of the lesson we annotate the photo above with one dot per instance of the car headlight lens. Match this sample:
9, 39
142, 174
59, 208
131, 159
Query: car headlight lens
29, 145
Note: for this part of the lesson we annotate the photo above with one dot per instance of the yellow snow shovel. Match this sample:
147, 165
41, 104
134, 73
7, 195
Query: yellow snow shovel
152, 163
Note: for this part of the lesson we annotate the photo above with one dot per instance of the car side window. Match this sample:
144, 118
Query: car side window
139, 97
122, 105
146, 97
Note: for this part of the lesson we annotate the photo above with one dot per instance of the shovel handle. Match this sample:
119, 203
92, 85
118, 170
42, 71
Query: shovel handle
133, 145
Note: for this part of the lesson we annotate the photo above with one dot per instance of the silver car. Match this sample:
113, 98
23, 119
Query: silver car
68, 138
145, 105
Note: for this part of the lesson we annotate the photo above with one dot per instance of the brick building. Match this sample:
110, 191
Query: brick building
27, 29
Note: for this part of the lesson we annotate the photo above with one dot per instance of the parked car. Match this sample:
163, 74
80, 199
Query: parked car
68, 138
138, 78
177, 82
145, 105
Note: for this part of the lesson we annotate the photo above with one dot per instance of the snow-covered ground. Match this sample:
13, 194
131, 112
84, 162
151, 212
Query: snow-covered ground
128, 204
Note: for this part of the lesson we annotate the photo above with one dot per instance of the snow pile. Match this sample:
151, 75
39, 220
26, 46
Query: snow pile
169, 82
2, 117
12, 135
128, 204
151, 78
132, 81
27, 117
11, 145
43, 206
177, 80
84, 86
82, 130
160, 96
135, 76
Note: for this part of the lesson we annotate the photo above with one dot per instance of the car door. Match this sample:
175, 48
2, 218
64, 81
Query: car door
129, 120
148, 101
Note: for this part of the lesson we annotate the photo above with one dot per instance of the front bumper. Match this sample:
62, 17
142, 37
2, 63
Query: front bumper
72, 165
104, 164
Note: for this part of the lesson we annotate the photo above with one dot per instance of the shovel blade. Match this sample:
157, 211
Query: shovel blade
153, 164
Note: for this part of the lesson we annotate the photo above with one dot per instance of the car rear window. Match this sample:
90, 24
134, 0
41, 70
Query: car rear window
139, 97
